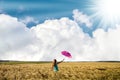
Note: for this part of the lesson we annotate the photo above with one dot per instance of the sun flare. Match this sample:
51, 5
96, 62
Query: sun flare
107, 11
109, 7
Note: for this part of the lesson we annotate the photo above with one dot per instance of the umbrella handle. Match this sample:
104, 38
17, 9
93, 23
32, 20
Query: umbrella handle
63, 59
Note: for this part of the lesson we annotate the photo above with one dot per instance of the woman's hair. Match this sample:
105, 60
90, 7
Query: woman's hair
54, 62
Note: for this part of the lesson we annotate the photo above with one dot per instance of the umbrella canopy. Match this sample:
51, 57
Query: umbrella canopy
67, 54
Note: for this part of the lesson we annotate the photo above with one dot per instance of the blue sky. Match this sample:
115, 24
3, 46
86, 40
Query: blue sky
38, 29
42, 8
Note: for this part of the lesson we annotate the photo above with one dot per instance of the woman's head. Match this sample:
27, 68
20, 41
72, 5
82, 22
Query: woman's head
54, 61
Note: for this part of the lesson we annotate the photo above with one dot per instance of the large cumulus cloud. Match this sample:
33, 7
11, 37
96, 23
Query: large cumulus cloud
14, 37
57, 35
45, 41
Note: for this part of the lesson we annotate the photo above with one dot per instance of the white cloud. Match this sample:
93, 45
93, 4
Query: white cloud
57, 35
14, 37
108, 43
21, 9
81, 18
45, 41
29, 19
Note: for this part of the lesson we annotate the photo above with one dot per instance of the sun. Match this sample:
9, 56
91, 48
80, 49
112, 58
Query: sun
107, 11
109, 7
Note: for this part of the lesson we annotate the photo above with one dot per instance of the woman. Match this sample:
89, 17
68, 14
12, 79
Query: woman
55, 65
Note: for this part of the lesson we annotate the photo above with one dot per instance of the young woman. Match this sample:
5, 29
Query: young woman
55, 65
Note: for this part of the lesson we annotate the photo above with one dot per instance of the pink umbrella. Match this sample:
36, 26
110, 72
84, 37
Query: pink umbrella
67, 54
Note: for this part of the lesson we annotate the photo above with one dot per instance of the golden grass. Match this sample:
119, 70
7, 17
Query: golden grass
67, 71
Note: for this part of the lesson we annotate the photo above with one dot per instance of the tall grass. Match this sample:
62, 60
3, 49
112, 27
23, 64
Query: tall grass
67, 71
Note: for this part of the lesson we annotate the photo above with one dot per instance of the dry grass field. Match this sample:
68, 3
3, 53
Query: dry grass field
67, 71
